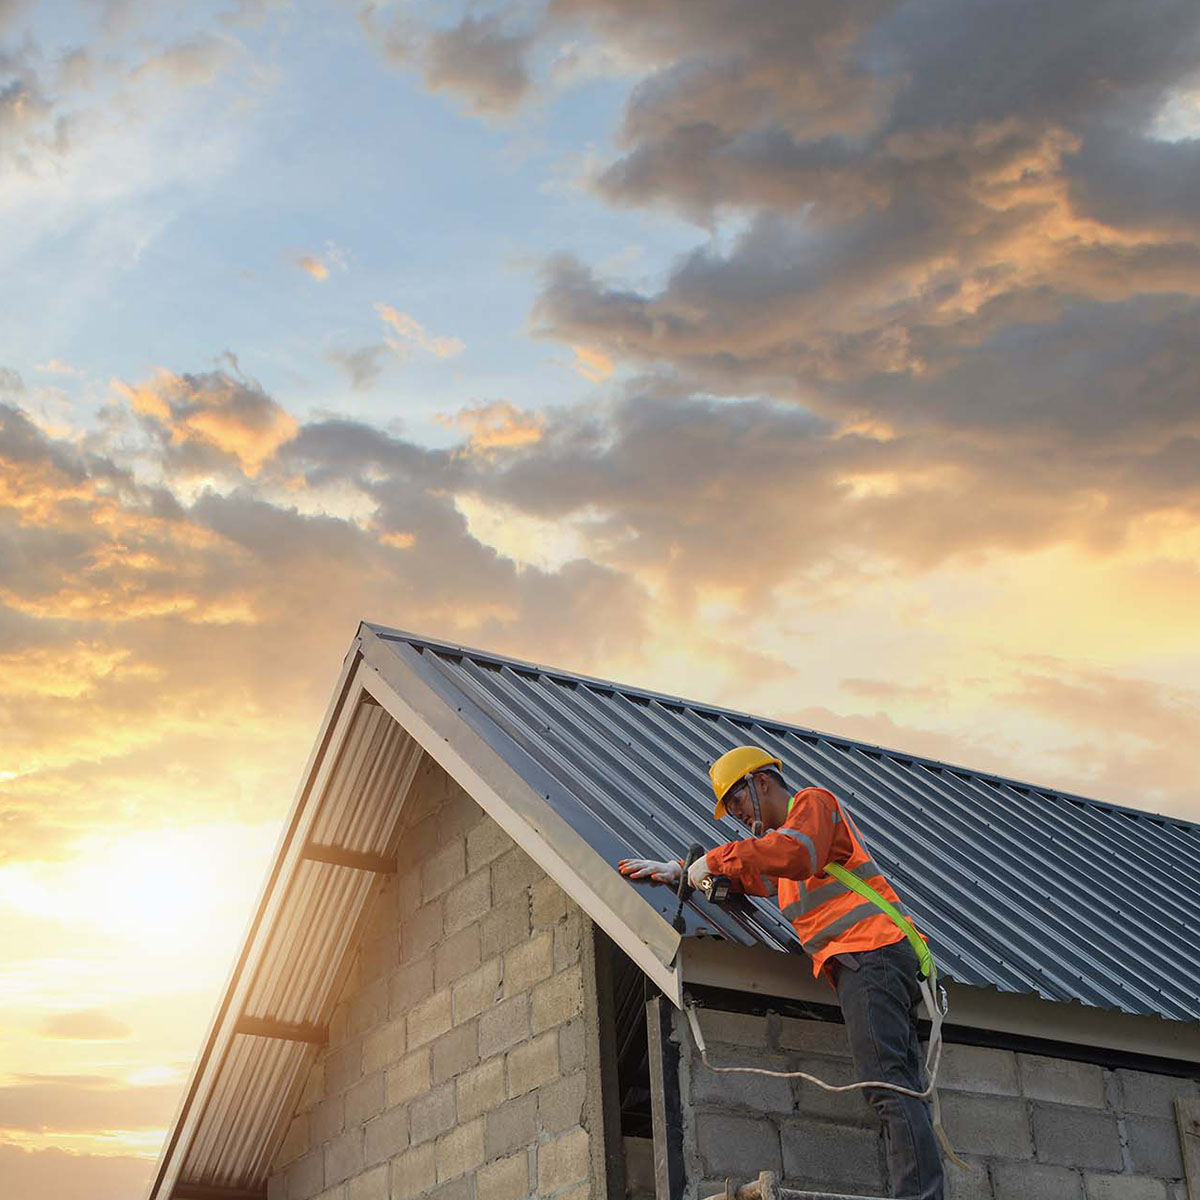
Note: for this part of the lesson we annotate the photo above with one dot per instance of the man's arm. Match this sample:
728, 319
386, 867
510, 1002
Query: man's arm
797, 849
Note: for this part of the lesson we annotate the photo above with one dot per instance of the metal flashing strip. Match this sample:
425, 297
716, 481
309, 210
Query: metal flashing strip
757, 972
522, 813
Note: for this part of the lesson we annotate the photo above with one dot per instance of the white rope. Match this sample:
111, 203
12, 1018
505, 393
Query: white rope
933, 1058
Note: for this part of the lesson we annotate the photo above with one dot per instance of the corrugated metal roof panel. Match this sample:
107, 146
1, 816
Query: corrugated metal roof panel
1019, 888
299, 967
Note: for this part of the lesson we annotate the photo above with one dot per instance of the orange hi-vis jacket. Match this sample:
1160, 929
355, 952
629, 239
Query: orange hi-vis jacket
828, 917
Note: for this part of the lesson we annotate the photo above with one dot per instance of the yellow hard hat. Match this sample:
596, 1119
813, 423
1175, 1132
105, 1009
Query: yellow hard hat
732, 767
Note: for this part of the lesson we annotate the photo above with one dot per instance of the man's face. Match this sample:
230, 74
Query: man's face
739, 805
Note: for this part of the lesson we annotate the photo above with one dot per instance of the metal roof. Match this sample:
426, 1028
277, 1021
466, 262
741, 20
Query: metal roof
1019, 888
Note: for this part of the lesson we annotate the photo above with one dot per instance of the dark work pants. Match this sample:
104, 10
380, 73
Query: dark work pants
879, 997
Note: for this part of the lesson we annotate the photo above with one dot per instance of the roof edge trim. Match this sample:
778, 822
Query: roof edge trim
523, 814
760, 972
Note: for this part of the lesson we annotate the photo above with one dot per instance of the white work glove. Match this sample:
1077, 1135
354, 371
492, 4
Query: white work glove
649, 868
698, 871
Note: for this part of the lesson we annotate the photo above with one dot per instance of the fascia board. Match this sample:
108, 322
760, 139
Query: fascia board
522, 813
757, 971
215, 1047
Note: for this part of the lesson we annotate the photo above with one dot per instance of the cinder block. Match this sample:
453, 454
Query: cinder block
548, 904
444, 869
343, 1067
529, 963
344, 1156
507, 925
456, 956
460, 1150
558, 999
813, 1037
386, 1136
381, 955
384, 1045
513, 875
846, 1108
572, 1045
503, 1026
476, 991
455, 1052
421, 930
368, 1006
429, 1019
305, 1178
1154, 1147
466, 903
978, 1069
1153, 1095
1124, 1187
414, 1172
1076, 1137
993, 1126
532, 1063
1035, 1181
740, 1147
480, 1089
370, 1185
816, 1155
328, 1119
511, 1125
560, 1104
456, 1189
411, 983
432, 1115
314, 1087
408, 1078
505, 1179
563, 1162
1062, 1081
973, 1183
735, 1029
568, 940
485, 842
295, 1142
763, 1093
365, 1100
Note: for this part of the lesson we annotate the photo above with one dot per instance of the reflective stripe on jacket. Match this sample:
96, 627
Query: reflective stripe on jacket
827, 916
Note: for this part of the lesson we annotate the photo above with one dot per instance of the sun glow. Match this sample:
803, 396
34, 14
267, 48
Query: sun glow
168, 884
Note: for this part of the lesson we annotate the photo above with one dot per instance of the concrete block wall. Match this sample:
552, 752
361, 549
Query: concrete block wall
458, 1060
1029, 1127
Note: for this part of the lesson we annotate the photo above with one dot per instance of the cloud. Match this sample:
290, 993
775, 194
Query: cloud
54, 366
407, 332
362, 366
56, 1172
210, 420
479, 59
83, 1103
313, 266
497, 425
593, 365
86, 1025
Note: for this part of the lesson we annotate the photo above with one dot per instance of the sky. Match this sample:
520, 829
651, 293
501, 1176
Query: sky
837, 362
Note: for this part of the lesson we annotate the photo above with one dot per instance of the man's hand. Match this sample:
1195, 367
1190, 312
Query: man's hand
649, 868
698, 871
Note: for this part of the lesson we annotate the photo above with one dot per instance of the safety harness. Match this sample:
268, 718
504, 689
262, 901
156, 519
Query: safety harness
932, 993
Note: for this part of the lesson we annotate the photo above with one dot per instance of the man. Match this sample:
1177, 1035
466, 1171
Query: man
862, 952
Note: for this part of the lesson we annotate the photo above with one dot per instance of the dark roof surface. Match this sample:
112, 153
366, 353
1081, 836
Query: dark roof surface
1019, 888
